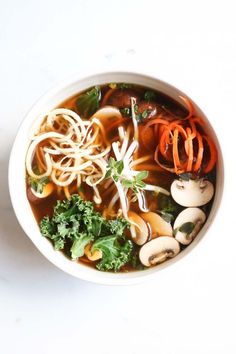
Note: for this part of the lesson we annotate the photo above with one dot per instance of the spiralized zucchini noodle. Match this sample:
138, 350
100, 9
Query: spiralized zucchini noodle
68, 149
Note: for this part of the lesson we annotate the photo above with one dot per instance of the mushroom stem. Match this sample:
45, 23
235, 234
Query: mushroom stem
160, 257
197, 228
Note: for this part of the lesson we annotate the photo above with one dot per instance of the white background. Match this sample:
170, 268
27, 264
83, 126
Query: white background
187, 308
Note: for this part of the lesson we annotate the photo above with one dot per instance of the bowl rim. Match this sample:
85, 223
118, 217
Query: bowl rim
84, 272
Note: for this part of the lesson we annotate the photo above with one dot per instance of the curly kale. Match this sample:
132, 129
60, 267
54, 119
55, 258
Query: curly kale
75, 224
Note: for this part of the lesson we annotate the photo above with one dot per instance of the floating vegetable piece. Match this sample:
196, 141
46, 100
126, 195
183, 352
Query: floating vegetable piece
119, 97
92, 256
192, 193
116, 252
158, 250
150, 96
146, 110
88, 102
187, 224
157, 224
39, 189
138, 228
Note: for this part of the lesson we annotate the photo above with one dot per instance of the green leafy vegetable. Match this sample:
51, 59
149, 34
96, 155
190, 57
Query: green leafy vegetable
167, 207
115, 252
166, 204
141, 115
167, 216
38, 184
187, 227
75, 224
122, 85
135, 261
114, 169
136, 182
125, 111
150, 96
186, 176
135, 108
77, 248
145, 113
87, 103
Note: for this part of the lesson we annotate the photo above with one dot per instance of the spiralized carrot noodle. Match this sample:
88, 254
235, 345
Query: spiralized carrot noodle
189, 105
73, 150
177, 136
107, 95
190, 150
200, 153
213, 154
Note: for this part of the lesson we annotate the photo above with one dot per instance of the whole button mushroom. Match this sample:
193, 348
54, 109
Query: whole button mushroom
187, 224
158, 250
192, 193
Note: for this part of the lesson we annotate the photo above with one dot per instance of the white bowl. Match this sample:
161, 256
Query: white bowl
18, 191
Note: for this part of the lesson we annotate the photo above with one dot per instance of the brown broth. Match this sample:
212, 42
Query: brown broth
161, 178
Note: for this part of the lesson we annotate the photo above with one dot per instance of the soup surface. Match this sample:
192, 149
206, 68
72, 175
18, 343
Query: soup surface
121, 177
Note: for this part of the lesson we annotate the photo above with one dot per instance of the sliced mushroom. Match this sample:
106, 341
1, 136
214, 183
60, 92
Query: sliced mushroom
192, 193
157, 224
35, 197
138, 228
158, 250
192, 219
92, 256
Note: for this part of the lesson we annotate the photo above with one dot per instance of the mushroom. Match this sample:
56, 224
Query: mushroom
138, 228
92, 256
157, 224
148, 108
158, 250
187, 224
192, 193
121, 98
35, 197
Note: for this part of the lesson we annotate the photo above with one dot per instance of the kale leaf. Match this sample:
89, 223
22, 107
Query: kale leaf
75, 224
116, 252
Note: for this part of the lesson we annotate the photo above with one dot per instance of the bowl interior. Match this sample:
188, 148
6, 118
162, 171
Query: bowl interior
18, 191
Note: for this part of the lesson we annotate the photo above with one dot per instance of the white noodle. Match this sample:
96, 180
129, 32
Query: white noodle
116, 150
150, 187
121, 133
134, 120
72, 150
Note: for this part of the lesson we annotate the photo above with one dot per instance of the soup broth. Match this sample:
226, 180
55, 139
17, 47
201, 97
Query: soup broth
146, 164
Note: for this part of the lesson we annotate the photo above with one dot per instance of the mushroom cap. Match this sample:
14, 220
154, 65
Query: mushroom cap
158, 250
192, 193
193, 215
139, 230
157, 224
